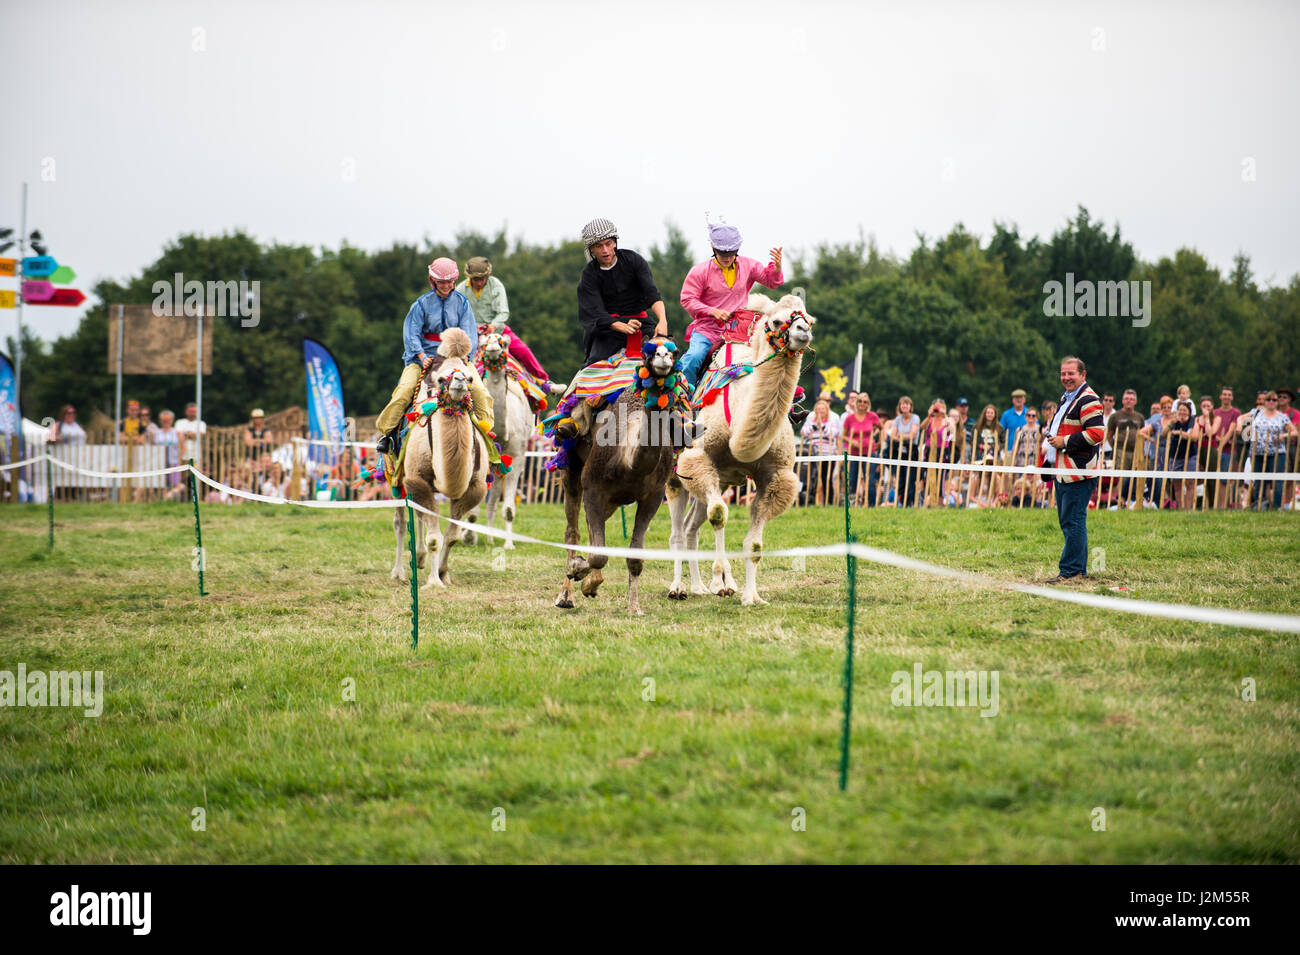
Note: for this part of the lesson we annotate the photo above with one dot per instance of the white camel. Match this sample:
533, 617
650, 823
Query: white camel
513, 420
748, 434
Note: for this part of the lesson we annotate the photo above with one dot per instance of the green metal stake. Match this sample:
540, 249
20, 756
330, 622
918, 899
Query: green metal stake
846, 494
415, 583
49, 496
198, 531
848, 669
622, 512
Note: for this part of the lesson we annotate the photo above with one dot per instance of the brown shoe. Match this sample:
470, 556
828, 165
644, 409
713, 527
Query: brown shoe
1060, 579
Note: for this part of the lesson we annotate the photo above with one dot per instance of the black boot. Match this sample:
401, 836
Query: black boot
387, 443
797, 415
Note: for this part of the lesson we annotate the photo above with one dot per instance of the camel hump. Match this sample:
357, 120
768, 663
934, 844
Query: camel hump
758, 302
455, 344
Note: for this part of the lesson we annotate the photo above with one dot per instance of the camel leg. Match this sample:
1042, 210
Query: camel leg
575, 566
460, 508
679, 501
645, 512
770, 499
432, 533
596, 537
490, 503
694, 521
420, 492
508, 503
399, 531
723, 584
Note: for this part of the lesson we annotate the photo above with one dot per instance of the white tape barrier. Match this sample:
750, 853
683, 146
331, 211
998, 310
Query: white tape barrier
1256, 620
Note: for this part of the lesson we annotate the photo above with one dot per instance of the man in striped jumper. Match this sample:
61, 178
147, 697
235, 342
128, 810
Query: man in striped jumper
1074, 440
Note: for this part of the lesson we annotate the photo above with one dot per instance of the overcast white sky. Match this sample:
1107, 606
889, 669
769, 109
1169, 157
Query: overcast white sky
155, 119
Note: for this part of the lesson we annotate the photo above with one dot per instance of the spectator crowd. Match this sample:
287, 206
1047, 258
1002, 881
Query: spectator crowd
1178, 435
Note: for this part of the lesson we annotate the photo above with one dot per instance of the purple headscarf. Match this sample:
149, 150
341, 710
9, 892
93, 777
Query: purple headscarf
724, 238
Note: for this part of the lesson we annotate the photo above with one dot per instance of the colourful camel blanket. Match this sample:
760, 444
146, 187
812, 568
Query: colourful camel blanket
534, 390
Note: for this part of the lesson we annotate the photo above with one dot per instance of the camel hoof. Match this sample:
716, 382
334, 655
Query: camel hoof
701, 591
589, 587
445, 577
564, 602
752, 600
636, 611
723, 591
677, 594
434, 583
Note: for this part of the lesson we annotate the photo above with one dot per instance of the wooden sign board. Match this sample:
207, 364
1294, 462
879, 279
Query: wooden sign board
157, 344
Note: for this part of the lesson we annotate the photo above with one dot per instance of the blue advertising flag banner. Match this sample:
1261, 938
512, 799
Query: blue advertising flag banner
324, 401
836, 380
10, 414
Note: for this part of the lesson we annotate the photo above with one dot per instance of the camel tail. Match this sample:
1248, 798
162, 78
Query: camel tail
455, 344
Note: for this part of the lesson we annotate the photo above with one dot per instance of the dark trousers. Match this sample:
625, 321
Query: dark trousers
1072, 513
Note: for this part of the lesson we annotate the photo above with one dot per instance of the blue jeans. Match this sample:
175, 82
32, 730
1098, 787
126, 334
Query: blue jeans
1274, 463
693, 360
1072, 513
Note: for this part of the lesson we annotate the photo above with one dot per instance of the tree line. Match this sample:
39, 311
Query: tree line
961, 315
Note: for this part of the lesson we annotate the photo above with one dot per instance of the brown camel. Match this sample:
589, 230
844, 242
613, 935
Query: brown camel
757, 442
625, 459
444, 453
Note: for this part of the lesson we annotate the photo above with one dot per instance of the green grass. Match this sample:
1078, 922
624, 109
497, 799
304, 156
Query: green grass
233, 701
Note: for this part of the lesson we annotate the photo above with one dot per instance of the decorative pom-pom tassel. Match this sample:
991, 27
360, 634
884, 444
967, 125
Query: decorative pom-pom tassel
412, 415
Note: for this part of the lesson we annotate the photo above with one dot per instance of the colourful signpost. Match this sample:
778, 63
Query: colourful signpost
7, 266
37, 292
39, 266
62, 275
7, 298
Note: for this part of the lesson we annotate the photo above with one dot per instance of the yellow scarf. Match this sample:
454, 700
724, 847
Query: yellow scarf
728, 275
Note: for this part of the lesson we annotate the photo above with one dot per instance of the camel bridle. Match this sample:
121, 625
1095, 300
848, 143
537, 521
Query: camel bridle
779, 337
498, 363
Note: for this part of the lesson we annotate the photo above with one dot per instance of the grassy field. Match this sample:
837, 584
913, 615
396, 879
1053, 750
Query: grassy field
513, 711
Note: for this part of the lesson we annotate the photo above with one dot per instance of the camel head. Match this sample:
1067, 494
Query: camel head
784, 326
659, 356
494, 348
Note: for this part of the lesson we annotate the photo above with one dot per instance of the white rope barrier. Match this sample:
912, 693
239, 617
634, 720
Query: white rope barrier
114, 475
1283, 623
23, 463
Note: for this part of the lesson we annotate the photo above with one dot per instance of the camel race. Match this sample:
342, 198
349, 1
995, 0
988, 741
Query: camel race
856, 434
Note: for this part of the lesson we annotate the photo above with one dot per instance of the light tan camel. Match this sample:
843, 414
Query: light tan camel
757, 442
445, 453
